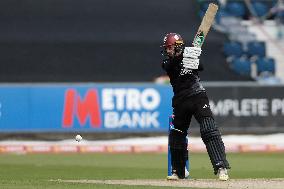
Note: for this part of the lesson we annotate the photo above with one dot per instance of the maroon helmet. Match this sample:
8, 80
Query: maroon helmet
172, 39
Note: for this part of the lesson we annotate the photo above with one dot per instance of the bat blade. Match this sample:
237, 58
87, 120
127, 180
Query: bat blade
205, 25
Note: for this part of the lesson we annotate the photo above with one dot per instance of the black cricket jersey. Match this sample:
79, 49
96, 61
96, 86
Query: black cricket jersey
185, 82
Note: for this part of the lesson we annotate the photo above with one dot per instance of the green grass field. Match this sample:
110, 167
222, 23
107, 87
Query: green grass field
36, 171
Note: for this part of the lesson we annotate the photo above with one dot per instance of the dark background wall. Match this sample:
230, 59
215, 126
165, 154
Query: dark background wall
97, 40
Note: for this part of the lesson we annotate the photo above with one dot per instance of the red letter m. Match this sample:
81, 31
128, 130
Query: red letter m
81, 108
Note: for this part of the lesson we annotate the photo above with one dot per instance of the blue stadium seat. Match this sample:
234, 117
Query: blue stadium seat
280, 15
260, 8
269, 3
256, 48
233, 48
265, 65
241, 66
235, 8
201, 13
204, 6
221, 13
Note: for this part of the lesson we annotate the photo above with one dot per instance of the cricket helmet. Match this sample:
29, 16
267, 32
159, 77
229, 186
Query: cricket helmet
172, 39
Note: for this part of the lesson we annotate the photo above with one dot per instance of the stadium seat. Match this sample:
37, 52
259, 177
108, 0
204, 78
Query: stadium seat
265, 65
269, 3
256, 48
221, 14
204, 6
260, 8
241, 66
201, 13
235, 8
233, 49
280, 16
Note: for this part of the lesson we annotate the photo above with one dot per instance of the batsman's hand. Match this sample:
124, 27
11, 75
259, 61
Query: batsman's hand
190, 63
192, 52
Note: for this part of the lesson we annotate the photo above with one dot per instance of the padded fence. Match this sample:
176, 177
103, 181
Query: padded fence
130, 107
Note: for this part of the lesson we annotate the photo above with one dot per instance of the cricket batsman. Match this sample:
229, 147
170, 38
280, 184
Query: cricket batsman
190, 99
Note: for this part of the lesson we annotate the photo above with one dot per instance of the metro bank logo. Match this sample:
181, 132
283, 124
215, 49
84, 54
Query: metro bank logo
81, 108
112, 108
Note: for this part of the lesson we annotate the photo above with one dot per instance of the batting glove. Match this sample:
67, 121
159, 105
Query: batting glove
192, 52
190, 63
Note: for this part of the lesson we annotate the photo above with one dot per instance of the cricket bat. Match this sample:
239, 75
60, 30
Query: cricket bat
205, 25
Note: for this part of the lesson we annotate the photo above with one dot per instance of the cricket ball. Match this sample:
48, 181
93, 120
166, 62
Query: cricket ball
78, 138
